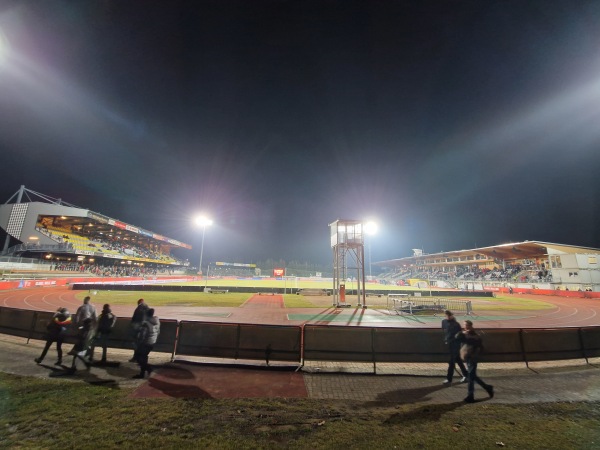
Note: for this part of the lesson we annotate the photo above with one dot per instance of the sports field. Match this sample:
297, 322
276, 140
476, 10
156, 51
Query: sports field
263, 307
237, 299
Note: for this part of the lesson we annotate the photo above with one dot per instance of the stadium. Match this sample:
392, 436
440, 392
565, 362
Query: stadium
536, 300
278, 336
52, 236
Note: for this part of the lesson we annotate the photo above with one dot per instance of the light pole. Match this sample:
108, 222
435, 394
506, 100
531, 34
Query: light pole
4, 49
370, 229
204, 222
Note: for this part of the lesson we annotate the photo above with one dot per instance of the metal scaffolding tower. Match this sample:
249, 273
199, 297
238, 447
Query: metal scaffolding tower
347, 243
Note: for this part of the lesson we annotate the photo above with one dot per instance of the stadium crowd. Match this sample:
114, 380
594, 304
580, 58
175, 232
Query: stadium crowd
511, 273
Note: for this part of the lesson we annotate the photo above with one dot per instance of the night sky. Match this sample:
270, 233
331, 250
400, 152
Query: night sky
453, 124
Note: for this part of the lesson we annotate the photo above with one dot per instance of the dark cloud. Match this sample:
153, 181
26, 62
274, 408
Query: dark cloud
455, 124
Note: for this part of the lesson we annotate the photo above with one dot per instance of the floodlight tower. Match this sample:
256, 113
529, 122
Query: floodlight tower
203, 222
347, 242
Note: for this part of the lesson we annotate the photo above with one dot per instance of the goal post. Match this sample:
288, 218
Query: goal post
289, 282
405, 303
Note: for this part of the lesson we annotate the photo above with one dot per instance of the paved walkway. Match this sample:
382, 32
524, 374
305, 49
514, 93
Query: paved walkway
398, 383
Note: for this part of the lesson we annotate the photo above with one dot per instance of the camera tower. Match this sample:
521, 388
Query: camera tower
348, 245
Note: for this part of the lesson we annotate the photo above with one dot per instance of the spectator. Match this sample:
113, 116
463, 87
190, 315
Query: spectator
106, 322
469, 352
451, 327
55, 332
145, 340
85, 335
139, 315
85, 311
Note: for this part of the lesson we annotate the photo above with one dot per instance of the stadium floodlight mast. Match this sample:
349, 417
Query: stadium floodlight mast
203, 222
4, 50
370, 228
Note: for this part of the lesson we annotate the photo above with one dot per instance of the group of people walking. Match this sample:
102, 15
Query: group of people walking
93, 331
464, 345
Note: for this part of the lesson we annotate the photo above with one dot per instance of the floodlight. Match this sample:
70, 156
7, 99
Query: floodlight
202, 221
371, 228
4, 49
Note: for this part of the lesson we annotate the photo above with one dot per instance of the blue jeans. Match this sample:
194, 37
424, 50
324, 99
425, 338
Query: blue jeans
473, 378
454, 348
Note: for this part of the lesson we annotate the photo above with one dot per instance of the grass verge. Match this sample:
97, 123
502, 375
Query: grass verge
38, 413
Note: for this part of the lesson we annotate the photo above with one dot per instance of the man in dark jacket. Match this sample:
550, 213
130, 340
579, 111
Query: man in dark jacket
139, 315
451, 327
55, 332
469, 352
106, 322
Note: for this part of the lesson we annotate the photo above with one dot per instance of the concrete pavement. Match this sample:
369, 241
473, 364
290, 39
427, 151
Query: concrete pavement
399, 383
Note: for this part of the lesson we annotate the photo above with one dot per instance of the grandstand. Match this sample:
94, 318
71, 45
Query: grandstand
532, 264
68, 237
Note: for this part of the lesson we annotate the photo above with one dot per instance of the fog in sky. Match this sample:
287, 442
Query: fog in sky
453, 124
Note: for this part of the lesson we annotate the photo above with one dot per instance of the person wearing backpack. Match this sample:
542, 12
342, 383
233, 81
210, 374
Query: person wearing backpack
55, 332
106, 322
471, 346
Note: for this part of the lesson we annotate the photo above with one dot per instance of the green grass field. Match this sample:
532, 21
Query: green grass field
37, 413
236, 299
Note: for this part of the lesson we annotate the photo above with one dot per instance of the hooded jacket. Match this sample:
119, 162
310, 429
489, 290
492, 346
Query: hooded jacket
106, 321
85, 311
149, 331
139, 314
471, 345
57, 327
451, 327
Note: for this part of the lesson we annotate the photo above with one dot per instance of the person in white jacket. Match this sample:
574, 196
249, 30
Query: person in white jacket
146, 338
85, 311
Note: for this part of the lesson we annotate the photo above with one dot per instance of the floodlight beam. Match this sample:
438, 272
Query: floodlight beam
204, 222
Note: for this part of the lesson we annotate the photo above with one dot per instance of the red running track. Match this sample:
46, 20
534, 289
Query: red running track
269, 309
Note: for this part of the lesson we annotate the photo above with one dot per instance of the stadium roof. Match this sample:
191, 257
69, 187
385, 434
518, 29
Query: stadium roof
504, 252
19, 219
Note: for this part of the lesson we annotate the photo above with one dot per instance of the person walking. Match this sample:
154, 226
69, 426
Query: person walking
145, 340
470, 349
55, 332
85, 311
451, 327
85, 335
86, 317
139, 315
106, 322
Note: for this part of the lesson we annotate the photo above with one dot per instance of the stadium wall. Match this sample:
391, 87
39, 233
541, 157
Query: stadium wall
52, 282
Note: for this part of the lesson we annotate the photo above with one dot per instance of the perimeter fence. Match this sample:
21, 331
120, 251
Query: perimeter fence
297, 344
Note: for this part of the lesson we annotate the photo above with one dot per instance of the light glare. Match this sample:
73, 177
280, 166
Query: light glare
3, 48
371, 228
203, 221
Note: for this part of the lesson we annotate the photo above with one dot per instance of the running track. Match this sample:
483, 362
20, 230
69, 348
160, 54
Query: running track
268, 309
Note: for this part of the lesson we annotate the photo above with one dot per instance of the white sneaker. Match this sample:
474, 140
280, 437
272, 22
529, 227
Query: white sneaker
447, 382
464, 379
